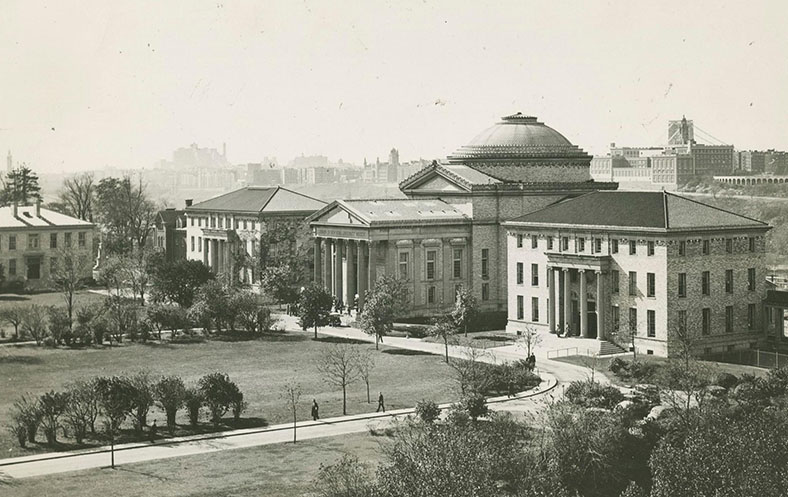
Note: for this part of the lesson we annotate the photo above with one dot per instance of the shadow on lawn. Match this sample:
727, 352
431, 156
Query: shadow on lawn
405, 352
19, 359
351, 341
494, 338
13, 298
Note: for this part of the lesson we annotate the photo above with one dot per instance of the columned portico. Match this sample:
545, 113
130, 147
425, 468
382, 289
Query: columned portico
552, 282
337, 280
361, 273
559, 272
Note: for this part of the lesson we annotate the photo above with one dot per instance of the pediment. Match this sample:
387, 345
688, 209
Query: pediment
435, 182
339, 215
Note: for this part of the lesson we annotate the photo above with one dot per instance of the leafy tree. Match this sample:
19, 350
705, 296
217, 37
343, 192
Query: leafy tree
88, 317
291, 394
122, 318
34, 324
387, 301
77, 196
314, 307
170, 393
53, 405
177, 281
465, 308
83, 408
475, 405
143, 398
212, 305
194, 402
219, 394
444, 328
125, 213
15, 316
366, 364
116, 399
20, 186
281, 282
339, 365
59, 325
251, 312
68, 275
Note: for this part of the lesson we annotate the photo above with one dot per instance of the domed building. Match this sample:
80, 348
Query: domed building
447, 233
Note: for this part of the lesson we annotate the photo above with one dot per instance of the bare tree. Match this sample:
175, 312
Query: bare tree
339, 366
291, 394
469, 370
34, 324
592, 362
444, 328
68, 275
366, 363
15, 315
77, 196
529, 339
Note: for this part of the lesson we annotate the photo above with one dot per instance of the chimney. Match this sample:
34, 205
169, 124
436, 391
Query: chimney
38, 207
189, 202
16, 207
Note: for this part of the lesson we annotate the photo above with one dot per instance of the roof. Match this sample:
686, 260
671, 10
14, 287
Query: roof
169, 216
776, 298
26, 218
256, 199
394, 211
629, 209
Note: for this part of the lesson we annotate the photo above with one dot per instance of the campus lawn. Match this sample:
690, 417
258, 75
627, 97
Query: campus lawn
260, 367
283, 470
81, 298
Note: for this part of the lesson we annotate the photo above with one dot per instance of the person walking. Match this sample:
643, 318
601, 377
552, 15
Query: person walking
315, 410
510, 389
532, 360
152, 432
381, 405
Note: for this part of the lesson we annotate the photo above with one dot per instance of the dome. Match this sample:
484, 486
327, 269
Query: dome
518, 137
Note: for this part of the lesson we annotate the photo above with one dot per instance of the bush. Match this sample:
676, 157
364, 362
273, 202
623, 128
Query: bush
27, 413
491, 379
633, 370
219, 393
725, 380
427, 411
19, 432
171, 394
82, 409
194, 401
457, 416
52, 405
348, 477
475, 405
592, 394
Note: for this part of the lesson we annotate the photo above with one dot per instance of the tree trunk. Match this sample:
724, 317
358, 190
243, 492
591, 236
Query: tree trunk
368, 399
465, 325
376, 341
294, 426
315, 332
446, 345
344, 400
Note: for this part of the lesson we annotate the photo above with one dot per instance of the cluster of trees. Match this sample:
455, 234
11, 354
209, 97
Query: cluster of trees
20, 186
85, 406
342, 365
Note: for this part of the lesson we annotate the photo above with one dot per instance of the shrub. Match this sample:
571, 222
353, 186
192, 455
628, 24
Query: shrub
427, 411
82, 409
475, 405
60, 325
238, 405
142, 389
457, 415
171, 395
348, 477
633, 370
19, 432
53, 405
219, 394
592, 394
725, 380
490, 379
194, 401
27, 413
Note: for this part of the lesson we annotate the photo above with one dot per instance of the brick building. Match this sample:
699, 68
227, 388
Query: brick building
170, 233
651, 262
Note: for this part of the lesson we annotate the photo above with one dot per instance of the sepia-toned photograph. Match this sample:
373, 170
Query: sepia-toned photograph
377, 248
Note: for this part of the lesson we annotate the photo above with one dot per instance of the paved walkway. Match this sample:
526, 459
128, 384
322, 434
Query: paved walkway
553, 375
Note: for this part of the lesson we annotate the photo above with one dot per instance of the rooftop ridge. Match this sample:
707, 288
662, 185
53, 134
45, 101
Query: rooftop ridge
717, 208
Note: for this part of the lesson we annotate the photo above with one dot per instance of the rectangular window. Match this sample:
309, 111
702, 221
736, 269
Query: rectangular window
485, 291
633, 320
235, 224
431, 295
246, 224
751, 244
682, 284
520, 307
614, 245
199, 222
431, 257
616, 318
221, 222
32, 241
751, 279
598, 245
535, 309
729, 281
457, 263
750, 317
728, 318
682, 321
403, 265
519, 241
11, 242
192, 221
581, 244
549, 243
706, 321
705, 247
67, 240
633, 283
705, 283
12, 267
534, 242
651, 284
192, 244
682, 248
53, 240
728, 246
534, 274
199, 244
519, 273
651, 316
650, 246
564, 243
633, 249
52, 264
485, 263
614, 281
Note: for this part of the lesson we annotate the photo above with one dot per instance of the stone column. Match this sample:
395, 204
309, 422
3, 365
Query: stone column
567, 301
372, 272
348, 276
551, 280
337, 290
317, 261
601, 305
583, 305
205, 251
361, 274
326, 265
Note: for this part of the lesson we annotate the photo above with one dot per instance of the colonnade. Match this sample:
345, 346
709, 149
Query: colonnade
559, 281
344, 267
217, 254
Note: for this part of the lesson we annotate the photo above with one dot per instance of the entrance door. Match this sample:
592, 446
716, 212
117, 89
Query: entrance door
591, 319
575, 318
33, 268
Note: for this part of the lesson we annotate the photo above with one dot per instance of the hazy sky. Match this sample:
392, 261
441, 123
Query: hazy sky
89, 84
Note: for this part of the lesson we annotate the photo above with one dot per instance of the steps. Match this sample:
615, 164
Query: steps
609, 348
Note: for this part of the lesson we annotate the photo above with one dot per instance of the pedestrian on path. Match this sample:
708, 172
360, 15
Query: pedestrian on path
152, 432
315, 410
381, 405
532, 360
510, 389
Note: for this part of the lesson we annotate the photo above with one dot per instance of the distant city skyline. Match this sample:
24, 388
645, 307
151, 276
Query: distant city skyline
124, 84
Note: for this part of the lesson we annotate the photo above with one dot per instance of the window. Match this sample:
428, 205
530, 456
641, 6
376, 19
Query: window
651, 284
682, 284
485, 263
192, 244
614, 280
751, 279
650, 246
519, 241
651, 318
485, 291
431, 256
519, 273
728, 246
616, 318
598, 245
705, 283
534, 242
682, 320
12, 267
614, 245
11, 242
67, 240
728, 318
729, 281
431, 295
750, 317
520, 307
706, 321
246, 224
633, 283
564, 243
53, 240
682, 248
52, 264
581, 244
32, 241
705, 247
751, 244
633, 320
534, 274
221, 222
199, 244
192, 221
632, 247
457, 263
235, 223
549, 243
403, 265
535, 309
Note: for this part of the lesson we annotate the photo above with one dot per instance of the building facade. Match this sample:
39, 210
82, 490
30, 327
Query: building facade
32, 240
648, 263
170, 233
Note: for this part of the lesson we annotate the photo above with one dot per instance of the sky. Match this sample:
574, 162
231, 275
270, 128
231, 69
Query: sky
87, 84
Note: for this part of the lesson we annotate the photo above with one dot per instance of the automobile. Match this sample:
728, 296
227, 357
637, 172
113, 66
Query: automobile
333, 319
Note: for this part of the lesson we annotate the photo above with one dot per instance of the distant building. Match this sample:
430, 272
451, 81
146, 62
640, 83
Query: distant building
170, 233
752, 161
30, 240
681, 132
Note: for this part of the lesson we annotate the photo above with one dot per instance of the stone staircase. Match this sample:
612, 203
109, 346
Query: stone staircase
609, 348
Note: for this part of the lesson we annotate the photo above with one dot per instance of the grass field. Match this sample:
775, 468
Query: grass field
260, 368
284, 470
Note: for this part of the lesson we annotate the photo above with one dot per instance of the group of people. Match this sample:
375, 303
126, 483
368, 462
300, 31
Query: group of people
316, 407
340, 307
